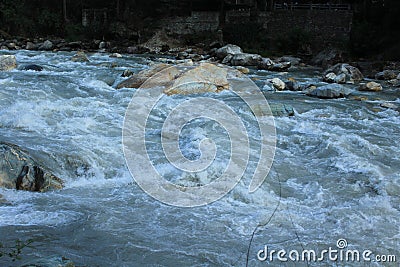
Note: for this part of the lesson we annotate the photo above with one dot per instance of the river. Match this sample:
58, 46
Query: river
335, 175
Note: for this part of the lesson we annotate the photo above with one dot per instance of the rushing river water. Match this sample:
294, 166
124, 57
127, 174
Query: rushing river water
336, 175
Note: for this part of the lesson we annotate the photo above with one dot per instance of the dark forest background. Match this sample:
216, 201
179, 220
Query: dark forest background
375, 25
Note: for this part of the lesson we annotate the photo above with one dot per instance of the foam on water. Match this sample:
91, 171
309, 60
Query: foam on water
335, 174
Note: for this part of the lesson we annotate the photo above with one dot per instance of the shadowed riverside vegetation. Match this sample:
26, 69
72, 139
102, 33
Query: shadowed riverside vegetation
370, 29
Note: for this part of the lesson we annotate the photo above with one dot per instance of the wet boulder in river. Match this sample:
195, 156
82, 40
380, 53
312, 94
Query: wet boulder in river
80, 57
138, 79
7, 62
328, 91
33, 67
292, 85
275, 109
345, 73
203, 78
182, 80
127, 73
19, 170
278, 84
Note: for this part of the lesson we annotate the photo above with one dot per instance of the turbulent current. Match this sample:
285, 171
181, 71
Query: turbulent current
335, 175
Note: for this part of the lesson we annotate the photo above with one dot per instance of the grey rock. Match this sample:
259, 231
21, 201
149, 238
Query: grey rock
371, 86
389, 105
268, 64
293, 86
199, 79
352, 74
102, 45
47, 45
268, 87
222, 52
80, 57
11, 46
244, 59
116, 55
294, 61
31, 46
7, 62
341, 78
195, 57
278, 84
387, 75
138, 79
328, 91
279, 109
19, 170
243, 70
282, 66
329, 77
182, 55
394, 82
127, 73
227, 59
265, 64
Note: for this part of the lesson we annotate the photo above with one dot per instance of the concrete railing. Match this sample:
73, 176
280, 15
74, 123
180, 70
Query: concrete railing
292, 6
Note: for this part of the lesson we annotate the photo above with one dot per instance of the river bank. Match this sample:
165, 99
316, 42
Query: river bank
163, 45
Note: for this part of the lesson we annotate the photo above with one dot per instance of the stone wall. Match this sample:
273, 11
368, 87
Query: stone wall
198, 22
324, 26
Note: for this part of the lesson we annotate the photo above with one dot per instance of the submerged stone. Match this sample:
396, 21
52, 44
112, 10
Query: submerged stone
33, 67
275, 109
